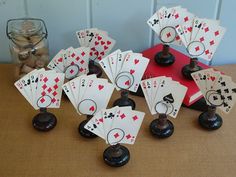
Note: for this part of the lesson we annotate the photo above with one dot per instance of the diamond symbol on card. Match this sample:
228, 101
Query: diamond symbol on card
116, 135
201, 39
207, 52
122, 116
57, 80
73, 54
45, 79
77, 58
197, 48
176, 16
186, 19
128, 136
49, 90
53, 100
82, 61
71, 71
206, 29
82, 53
81, 69
54, 93
44, 86
217, 33
42, 100
43, 93
168, 35
55, 86
135, 118
177, 38
212, 42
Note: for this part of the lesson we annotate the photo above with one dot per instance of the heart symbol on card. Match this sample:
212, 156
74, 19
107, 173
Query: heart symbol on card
100, 87
99, 58
105, 47
102, 53
100, 120
99, 38
96, 43
92, 108
127, 82
102, 42
108, 42
136, 61
213, 78
132, 71
189, 29
93, 48
60, 59
96, 53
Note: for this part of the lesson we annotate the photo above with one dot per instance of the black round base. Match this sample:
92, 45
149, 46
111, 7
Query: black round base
187, 71
116, 161
210, 124
44, 121
164, 61
161, 133
94, 69
83, 132
121, 103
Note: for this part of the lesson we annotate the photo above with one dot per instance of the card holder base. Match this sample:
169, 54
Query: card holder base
161, 127
210, 120
116, 155
83, 132
164, 58
124, 100
94, 69
187, 70
44, 121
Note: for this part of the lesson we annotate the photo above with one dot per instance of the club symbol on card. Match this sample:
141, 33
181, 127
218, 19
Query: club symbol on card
115, 135
87, 106
214, 97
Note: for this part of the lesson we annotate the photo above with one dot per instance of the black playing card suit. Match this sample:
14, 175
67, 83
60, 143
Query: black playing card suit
223, 83
169, 98
218, 91
215, 98
226, 90
229, 97
234, 90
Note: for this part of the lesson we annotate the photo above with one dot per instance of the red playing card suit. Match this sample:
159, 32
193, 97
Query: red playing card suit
96, 43
96, 53
83, 53
92, 108
100, 120
108, 42
213, 78
91, 53
102, 42
189, 29
105, 47
132, 71
122, 116
136, 61
60, 59
99, 58
93, 48
99, 38
102, 53
100, 87
135, 118
81, 69
127, 82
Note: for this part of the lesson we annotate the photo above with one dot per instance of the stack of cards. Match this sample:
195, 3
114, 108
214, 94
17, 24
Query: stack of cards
116, 125
201, 37
163, 95
42, 89
125, 69
88, 94
218, 89
98, 41
164, 21
72, 62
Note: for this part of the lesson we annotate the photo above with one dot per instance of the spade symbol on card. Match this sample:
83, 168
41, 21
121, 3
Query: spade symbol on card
169, 98
226, 90
223, 83
218, 91
229, 97
215, 98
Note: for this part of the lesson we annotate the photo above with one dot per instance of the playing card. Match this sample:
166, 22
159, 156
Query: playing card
49, 89
96, 96
81, 37
68, 91
132, 71
113, 62
58, 60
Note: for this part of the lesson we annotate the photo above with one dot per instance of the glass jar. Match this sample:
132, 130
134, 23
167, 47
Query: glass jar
28, 44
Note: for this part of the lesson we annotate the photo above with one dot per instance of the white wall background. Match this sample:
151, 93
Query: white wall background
125, 20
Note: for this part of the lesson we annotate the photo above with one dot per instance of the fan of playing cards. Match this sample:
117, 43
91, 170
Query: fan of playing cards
218, 89
98, 41
164, 21
125, 69
72, 62
116, 125
42, 89
201, 37
163, 95
88, 94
